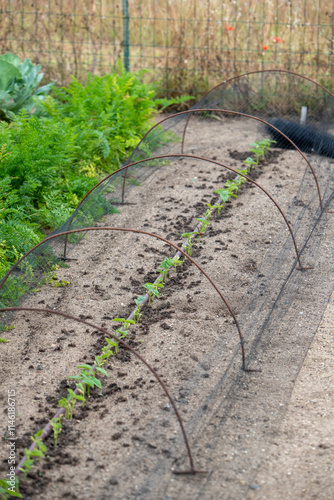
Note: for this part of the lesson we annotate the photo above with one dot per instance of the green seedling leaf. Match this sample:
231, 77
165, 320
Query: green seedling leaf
137, 315
5, 328
224, 194
26, 467
56, 427
98, 361
72, 393
250, 161
129, 322
38, 433
244, 171
121, 333
231, 185
165, 266
151, 288
177, 262
89, 367
96, 382
139, 300
102, 370
75, 377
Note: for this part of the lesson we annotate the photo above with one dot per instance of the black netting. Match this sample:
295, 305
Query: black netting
270, 308
274, 96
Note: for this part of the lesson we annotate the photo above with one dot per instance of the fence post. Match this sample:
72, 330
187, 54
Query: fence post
126, 41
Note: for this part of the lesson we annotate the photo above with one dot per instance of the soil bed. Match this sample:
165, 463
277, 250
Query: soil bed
124, 443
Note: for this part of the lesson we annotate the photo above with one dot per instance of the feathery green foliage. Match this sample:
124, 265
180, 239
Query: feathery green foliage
47, 164
108, 116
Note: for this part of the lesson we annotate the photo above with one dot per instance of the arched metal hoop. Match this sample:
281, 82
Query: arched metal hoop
47, 429
237, 113
209, 161
259, 71
263, 71
189, 112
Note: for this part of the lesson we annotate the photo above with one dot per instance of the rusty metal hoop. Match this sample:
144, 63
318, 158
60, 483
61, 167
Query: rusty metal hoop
215, 110
209, 161
140, 231
126, 346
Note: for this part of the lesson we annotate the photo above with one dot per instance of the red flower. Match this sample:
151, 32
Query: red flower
229, 28
265, 47
277, 40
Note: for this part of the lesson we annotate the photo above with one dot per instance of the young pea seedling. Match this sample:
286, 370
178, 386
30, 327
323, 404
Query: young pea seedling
177, 262
138, 301
165, 268
260, 148
189, 245
56, 427
109, 350
250, 163
87, 380
152, 290
65, 403
122, 332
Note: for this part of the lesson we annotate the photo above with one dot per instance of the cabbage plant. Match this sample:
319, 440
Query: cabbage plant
19, 86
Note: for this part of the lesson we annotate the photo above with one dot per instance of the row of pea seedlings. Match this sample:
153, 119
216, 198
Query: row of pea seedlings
87, 379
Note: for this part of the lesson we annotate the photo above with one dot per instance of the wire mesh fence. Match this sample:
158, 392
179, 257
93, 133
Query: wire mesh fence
187, 45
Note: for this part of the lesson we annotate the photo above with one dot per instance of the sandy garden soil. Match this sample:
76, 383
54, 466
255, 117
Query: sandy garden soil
265, 434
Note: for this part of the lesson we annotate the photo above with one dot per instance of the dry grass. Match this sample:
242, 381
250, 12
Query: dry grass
189, 45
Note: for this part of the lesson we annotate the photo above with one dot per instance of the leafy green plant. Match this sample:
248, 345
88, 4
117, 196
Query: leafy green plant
250, 162
108, 115
165, 268
48, 164
19, 86
67, 404
188, 246
177, 262
138, 301
121, 332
